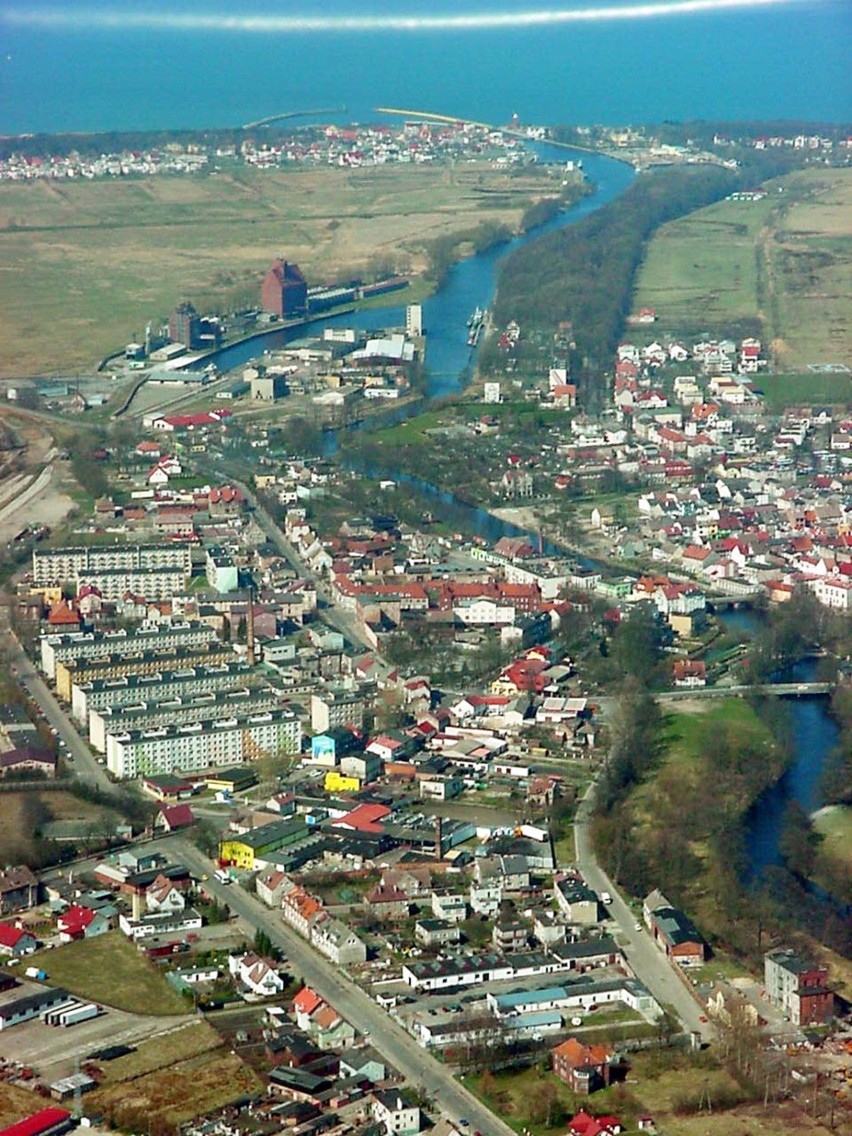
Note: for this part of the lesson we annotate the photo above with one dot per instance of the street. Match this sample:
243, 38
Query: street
648, 962
417, 1065
83, 763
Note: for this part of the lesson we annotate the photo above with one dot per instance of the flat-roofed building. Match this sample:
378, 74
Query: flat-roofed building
60, 565
143, 662
152, 583
199, 745
178, 712
94, 644
187, 682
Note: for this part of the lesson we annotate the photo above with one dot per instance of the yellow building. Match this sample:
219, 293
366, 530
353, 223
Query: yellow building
259, 843
338, 783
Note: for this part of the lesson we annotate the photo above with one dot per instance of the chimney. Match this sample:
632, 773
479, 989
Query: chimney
250, 630
137, 905
439, 832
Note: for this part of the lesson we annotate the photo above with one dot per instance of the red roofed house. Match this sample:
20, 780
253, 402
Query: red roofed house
584, 1124
80, 922
583, 1068
689, 673
304, 1004
15, 942
387, 902
61, 615
172, 817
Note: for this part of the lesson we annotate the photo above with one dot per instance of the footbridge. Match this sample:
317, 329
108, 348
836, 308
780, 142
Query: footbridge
775, 689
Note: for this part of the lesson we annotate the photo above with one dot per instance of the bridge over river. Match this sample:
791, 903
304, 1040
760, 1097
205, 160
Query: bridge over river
778, 689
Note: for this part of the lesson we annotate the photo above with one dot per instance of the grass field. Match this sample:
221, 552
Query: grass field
835, 824
180, 1091
785, 261
109, 970
16, 1104
789, 390
121, 253
179, 1043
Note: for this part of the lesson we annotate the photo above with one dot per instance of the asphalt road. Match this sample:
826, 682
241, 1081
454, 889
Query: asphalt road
417, 1066
83, 764
332, 614
647, 961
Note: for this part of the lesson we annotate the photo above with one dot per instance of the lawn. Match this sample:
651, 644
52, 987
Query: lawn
686, 734
782, 265
109, 970
128, 251
834, 823
780, 391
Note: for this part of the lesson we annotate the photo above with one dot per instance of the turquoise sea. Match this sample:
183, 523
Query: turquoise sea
83, 65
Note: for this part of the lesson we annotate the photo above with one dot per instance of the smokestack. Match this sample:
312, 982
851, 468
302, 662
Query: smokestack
250, 630
137, 905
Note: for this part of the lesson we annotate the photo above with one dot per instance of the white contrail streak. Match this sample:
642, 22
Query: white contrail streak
89, 18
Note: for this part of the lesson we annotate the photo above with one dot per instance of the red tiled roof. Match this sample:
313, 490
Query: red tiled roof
307, 1000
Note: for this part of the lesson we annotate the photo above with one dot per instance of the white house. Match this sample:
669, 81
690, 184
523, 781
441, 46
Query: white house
396, 1112
256, 975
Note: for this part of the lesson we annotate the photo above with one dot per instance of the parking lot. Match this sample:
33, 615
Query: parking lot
53, 1050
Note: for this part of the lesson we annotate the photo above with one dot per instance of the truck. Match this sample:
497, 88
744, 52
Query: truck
81, 1013
51, 1017
35, 972
222, 876
606, 898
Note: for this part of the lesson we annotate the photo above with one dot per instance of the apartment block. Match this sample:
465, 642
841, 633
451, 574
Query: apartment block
97, 694
92, 644
178, 712
199, 745
112, 667
59, 565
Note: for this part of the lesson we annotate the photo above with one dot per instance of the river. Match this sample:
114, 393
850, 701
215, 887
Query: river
814, 734
469, 284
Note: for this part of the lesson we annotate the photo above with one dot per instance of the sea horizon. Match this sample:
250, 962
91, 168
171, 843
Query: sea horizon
784, 61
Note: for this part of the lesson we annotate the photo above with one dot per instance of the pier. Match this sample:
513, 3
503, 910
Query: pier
270, 118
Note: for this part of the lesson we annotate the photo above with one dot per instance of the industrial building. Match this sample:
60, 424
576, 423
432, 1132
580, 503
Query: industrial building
284, 291
182, 749
185, 325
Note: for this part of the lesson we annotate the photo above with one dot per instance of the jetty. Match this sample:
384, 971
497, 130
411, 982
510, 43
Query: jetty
270, 118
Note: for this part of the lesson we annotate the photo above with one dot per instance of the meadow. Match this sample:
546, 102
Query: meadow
781, 265
84, 266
